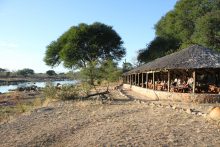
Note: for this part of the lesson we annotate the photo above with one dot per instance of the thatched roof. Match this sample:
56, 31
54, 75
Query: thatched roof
193, 57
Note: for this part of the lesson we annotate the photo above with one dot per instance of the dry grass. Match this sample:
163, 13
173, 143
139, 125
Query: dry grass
121, 123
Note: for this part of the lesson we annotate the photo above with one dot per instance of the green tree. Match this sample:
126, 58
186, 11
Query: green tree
126, 66
157, 48
109, 72
190, 22
90, 73
207, 30
51, 73
83, 45
2, 70
180, 22
25, 72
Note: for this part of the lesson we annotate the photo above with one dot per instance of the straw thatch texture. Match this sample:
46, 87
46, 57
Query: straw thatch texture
194, 57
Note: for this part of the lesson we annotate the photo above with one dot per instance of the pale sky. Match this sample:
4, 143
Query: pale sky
28, 26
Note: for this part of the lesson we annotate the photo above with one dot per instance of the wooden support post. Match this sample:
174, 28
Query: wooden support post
135, 79
146, 79
194, 81
132, 79
168, 82
129, 79
153, 82
138, 79
142, 79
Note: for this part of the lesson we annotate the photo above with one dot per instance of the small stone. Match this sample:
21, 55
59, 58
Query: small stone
152, 104
167, 107
159, 105
204, 115
189, 111
173, 107
194, 113
199, 113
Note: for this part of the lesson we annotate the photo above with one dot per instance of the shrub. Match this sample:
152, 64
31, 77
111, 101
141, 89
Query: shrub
67, 92
50, 91
37, 102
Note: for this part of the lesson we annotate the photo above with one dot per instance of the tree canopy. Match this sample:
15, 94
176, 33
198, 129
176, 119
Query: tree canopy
2, 70
86, 47
25, 72
84, 44
51, 73
157, 48
207, 30
190, 22
126, 66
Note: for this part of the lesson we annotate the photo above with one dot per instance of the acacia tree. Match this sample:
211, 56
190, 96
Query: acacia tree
190, 22
207, 30
126, 66
109, 72
2, 70
25, 72
157, 48
83, 45
51, 73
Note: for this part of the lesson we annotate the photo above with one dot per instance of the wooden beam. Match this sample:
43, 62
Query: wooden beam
138, 79
153, 82
130, 79
135, 79
146, 79
127, 79
194, 81
168, 82
142, 79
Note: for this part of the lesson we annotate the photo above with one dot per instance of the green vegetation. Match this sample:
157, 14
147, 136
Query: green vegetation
126, 66
207, 30
18, 106
25, 72
51, 73
191, 22
109, 72
4, 73
87, 48
67, 92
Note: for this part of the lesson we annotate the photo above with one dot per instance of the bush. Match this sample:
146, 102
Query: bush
67, 93
50, 91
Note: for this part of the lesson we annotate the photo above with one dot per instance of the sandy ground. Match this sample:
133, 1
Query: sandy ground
122, 122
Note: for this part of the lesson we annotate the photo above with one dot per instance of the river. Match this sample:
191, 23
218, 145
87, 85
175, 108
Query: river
7, 88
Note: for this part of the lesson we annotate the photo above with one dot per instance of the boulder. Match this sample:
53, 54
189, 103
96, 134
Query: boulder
215, 113
27, 88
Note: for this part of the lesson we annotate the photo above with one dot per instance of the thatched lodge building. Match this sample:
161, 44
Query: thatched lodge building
191, 74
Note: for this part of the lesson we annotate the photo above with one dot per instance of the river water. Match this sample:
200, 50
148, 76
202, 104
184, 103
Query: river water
7, 88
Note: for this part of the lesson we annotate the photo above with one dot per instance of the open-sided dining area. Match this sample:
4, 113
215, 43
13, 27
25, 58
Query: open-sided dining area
194, 70
183, 81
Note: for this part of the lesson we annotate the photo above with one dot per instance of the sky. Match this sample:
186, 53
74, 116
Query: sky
28, 26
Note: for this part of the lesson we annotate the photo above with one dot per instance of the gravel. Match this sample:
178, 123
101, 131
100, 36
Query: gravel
122, 122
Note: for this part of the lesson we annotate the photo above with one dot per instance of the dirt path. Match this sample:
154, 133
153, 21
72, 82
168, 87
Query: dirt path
123, 122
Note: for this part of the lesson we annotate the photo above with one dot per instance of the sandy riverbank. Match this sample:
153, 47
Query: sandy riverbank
118, 122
